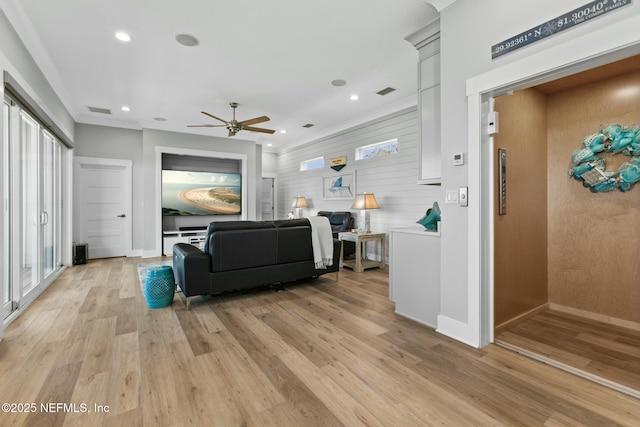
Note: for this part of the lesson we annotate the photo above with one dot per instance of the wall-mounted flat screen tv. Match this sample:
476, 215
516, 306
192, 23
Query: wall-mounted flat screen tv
187, 193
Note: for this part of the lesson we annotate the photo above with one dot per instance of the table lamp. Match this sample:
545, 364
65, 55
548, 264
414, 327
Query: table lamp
299, 202
365, 202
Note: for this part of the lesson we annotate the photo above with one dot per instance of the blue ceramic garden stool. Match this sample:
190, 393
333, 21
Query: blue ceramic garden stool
159, 286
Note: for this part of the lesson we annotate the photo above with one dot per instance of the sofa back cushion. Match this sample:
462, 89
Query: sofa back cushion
294, 241
234, 245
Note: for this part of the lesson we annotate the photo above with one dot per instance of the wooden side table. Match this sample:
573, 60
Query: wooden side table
361, 262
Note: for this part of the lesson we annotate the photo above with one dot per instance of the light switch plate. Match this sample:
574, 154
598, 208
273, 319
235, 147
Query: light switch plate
463, 197
451, 197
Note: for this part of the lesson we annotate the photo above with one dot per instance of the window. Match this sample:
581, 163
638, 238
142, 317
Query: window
377, 149
317, 163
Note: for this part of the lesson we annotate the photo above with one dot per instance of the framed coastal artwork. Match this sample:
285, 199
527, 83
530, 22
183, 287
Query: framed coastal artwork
340, 186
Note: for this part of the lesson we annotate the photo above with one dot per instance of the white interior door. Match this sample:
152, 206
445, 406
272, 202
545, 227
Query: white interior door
104, 204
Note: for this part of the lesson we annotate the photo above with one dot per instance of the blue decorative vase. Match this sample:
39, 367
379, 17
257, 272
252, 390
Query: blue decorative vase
159, 286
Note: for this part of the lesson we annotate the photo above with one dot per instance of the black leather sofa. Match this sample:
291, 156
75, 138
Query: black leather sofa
248, 254
341, 221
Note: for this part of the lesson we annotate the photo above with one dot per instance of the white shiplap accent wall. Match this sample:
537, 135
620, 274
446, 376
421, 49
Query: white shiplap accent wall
392, 178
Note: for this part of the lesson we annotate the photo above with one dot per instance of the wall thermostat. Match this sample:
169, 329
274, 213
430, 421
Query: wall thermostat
458, 159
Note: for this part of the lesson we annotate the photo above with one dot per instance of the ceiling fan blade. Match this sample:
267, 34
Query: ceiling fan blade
213, 117
205, 126
252, 129
250, 122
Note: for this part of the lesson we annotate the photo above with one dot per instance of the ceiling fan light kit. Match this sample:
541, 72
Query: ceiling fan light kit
234, 126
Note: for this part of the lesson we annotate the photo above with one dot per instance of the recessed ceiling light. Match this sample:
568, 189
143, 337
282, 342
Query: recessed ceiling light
187, 40
125, 108
269, 145
122, 36
353, 97
338, 83
283, 131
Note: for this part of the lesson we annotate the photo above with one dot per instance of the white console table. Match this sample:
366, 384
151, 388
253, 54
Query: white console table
192, 237
414, 273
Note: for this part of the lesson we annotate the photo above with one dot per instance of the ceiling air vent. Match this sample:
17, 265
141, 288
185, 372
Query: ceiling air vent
308, 125
385, 91
99, 110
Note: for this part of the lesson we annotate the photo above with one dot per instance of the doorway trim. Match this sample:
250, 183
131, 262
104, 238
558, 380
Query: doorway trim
78, 163
597, 48
160, 150
274, 176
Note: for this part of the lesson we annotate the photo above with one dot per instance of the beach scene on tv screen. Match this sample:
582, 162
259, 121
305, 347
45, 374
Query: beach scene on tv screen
200, 193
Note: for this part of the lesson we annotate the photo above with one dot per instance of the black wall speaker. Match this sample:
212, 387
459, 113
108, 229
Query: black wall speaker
80, 253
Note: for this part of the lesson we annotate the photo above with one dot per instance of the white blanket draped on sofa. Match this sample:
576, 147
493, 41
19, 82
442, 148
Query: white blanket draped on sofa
322, 241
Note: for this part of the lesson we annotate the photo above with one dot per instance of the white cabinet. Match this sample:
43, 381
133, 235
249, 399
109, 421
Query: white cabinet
192, 237
427, 41
414, 273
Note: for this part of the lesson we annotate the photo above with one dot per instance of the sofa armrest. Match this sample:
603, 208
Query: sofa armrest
191, 269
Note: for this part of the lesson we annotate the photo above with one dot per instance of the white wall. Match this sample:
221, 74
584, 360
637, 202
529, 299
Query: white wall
468, 30
269, 163
392, 178
116, 143
15, 59
140, 147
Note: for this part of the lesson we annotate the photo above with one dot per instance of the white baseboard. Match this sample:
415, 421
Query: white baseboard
135, 253
150, 253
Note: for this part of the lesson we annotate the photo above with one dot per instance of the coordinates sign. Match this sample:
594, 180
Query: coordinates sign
561, 23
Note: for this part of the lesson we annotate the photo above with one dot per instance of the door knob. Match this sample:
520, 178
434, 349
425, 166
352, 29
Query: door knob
121, 216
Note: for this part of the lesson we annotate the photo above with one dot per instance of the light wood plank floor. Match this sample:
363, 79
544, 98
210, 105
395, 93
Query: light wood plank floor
322, 353
606, 353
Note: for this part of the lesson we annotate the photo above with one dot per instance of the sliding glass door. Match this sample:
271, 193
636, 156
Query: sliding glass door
32, 221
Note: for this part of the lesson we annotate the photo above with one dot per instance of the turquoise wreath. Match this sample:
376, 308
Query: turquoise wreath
589, 168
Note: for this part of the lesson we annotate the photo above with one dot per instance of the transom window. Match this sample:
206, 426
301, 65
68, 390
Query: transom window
317, 163
378, 149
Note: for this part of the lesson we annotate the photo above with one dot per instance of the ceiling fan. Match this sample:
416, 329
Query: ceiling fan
235, 126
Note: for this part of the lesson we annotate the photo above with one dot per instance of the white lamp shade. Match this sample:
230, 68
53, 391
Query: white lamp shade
299, 202
365, 201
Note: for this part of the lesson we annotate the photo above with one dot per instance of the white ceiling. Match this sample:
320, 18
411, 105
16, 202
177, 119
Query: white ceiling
275, 58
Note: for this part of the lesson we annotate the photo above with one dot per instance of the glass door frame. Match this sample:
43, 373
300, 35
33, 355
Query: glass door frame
50, 160
27, 218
